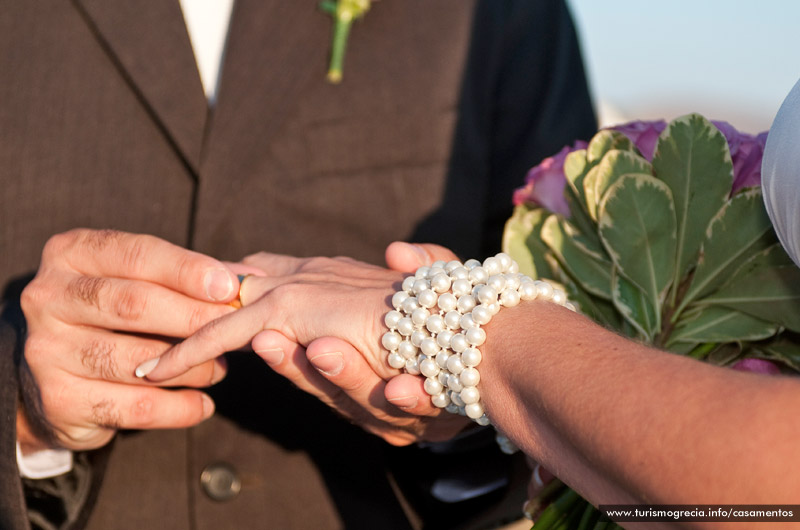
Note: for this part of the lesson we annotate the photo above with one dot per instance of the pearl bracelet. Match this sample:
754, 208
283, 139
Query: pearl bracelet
435, 329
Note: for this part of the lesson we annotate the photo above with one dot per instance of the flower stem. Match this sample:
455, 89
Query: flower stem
341, 31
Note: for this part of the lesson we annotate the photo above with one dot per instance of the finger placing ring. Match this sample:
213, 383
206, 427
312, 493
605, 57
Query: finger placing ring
237, 303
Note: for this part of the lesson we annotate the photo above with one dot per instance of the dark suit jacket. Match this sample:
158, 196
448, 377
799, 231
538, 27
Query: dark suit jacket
103, 123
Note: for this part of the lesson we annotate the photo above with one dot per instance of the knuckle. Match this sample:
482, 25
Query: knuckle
98, 239
134, 255
141, 411
253, 259
199, 316
36, 350
105, 414
130, 303
55, 246
185, 269
34, 297
98, 358
86, 289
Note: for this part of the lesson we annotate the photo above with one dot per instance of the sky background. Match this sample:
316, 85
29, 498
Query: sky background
729, 60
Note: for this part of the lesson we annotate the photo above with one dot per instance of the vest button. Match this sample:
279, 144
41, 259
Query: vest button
221, 482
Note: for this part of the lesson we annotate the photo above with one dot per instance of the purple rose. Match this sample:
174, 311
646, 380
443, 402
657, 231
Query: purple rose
544, 184
759, 366
643, 134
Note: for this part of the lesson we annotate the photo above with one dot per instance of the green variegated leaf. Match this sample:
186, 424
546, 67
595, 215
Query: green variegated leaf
589, 187
772, 256
768, 293
580, 218
521, 241
738, 231
637, 227
725, 354
782, 350
615, 164
720, 324
589, 269
575, 168
693, 159
604, 141
634, 306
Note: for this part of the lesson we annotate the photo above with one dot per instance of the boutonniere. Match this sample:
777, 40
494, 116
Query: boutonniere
344, 12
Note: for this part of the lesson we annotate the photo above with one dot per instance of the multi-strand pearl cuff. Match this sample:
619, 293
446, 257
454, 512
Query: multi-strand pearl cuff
435, 329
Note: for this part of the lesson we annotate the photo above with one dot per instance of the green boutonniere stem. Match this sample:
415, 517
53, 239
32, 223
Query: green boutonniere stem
343, 12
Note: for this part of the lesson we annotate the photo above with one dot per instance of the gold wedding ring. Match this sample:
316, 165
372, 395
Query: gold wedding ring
237, 303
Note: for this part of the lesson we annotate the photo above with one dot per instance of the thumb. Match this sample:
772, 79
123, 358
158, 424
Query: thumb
408, 257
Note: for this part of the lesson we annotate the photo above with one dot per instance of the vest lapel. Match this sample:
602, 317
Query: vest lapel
161, 71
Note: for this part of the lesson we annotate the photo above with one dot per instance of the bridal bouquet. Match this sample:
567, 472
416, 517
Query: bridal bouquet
659, 231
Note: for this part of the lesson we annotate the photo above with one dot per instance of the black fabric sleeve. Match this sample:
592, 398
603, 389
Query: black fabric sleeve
524, 97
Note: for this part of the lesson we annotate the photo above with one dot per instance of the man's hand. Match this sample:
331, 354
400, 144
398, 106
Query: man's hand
101, 304
347, 373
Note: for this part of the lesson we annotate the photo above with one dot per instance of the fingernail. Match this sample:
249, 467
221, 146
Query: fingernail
146, 367
208, 407
271, 355
422, 256
405, 402
218, 284
330, 363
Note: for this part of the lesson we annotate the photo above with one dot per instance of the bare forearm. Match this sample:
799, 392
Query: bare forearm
622, 422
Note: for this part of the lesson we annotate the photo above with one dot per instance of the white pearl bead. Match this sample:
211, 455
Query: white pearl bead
409, 305
434, 272
432, 386
494, 308
398, 298
429, 347
441, 283
440, 400
452, 265
478, 275
391, 340
528, 291
458, 343
454, 383
505, 260
407, 350
442, 377
481, 315
443, 338
420, 285
461, 411
454, 364
492, 266
420, 316
469, 377
429, 368
559, 297
435, 324
570, 306
447, 302
422, 272
512, 281
396, 360
412, 366
438, 264
461, 287
487, 295
483, 420
474, 410
452, 408
427, 298
441, 359
472, 263
405, 326
417, 337
469, 395
509, 298
408, 284
459, 273
452, 319
467, 321
471, 357
391, 319
456, 399
475, 336
545, 290
466, 303
514, 267
497, 282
